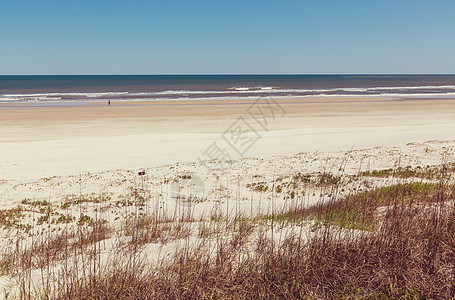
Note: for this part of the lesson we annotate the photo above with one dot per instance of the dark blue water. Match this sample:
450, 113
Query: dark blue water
51, 89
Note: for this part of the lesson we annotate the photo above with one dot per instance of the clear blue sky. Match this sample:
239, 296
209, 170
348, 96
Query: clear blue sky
226, 37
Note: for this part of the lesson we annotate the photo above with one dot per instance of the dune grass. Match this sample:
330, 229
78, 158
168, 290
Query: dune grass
388, 242
410, 256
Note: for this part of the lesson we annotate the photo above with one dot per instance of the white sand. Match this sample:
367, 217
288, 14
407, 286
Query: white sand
36, 144
33, 147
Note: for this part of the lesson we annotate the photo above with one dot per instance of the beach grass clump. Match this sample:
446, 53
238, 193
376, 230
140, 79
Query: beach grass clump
243, 229
49, 247
207, 229
361, 211
42, 219
427, 172
85, 198
35, 203
124, 202
293, 183
409, 256
97, 231
84, 219
134, 197
258, 186
327, 179
10, 218
144, 229
38, 206
63, 219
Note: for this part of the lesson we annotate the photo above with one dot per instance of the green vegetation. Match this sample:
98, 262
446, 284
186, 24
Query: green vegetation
327, 179
83, 220
359, 211
428, 172
295, 182
88, 198
9, 218
63, 218
258, 186
35, 203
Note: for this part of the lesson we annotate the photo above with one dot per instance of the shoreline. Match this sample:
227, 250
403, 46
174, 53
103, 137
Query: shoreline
210, 108
215, 101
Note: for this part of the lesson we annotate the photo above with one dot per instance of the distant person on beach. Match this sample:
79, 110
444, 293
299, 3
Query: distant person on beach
109, 103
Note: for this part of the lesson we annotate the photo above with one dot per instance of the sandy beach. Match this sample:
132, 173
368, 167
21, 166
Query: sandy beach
40, 142
114, 143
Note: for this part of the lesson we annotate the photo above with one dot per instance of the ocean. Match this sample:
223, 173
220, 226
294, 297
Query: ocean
67, 89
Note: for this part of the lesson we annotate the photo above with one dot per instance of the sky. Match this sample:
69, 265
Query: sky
227, 37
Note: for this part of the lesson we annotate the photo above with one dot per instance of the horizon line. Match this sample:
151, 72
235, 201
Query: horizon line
238, 74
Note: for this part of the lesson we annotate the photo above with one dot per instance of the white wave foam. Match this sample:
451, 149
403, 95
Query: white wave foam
89, 95
246, 90
233, 93
424, 87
